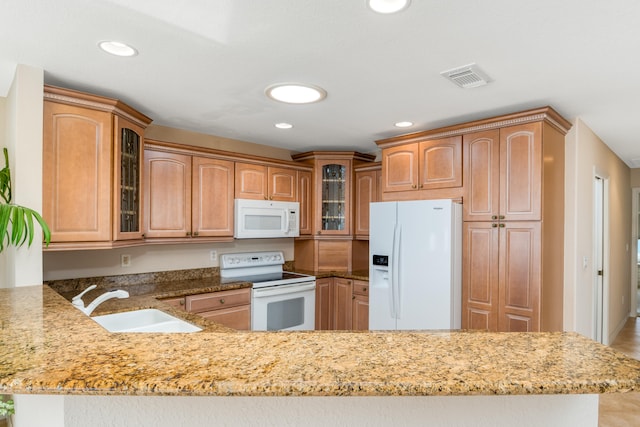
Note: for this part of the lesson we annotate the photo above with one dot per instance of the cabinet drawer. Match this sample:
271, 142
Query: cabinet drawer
178, 303
218, 300
361, 287
233, 317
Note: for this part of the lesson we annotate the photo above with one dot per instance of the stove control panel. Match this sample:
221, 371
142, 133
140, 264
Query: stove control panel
251, 259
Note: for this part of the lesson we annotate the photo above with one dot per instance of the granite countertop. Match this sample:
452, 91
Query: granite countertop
49, 347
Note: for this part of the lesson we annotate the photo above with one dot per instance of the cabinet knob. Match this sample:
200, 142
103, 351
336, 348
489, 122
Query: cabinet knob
266, 198
501, 226
501, 217
188, 233
221, 300
413, 186
353, 297
420, 186
494, 225
364, 289
182, 301
494, 216
195, 233
270, 197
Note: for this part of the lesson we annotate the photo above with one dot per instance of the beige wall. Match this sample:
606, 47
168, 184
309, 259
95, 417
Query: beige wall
587, 156
162, 133
635, 177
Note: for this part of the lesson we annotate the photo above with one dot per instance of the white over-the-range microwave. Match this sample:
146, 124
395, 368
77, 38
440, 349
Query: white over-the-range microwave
257, 219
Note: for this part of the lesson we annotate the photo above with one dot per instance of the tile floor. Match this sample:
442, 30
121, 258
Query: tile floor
623, 409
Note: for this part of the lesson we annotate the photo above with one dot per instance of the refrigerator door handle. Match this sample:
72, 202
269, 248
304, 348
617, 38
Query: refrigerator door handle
397, 282
395, 270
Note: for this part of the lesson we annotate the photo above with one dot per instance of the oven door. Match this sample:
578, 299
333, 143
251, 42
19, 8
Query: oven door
284, 307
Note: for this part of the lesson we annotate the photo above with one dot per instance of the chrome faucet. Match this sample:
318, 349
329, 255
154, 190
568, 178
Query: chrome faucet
79, 304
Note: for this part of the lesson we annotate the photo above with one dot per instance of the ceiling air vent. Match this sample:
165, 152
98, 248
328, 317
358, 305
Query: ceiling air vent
467, 76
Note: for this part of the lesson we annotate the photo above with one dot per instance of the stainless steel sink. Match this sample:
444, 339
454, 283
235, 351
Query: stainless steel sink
146, 320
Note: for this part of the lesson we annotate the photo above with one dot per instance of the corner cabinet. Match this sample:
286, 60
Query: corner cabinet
92, 170
329, 246
368, 189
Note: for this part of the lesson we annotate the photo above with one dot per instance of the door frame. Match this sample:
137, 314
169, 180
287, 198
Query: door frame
600, 306
635, 217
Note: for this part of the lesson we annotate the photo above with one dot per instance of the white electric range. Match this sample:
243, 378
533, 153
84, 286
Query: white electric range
280, 300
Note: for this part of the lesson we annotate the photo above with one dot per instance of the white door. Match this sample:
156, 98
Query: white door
601, 308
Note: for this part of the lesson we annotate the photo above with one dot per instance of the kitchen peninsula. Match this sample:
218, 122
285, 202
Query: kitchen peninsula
52, 354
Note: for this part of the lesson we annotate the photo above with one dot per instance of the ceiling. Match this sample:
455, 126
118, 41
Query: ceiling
203, 65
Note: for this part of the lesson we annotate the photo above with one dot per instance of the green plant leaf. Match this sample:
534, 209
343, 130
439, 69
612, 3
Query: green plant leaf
5, 179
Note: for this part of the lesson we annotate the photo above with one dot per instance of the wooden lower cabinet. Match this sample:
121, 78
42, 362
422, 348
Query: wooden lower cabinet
342, 304
501, 285
360, 306
229, 308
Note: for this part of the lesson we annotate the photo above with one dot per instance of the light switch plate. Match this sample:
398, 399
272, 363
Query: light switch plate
125, 260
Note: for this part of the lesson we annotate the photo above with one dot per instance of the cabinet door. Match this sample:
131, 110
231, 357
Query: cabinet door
333, 195
520, 277
482, 176
212, 208
238, 318
521, 172
167, 196
366, 184
283, 184
304, 198
77, 149
440, 163
360, 305
480, 293
127, 185
324, 304
342, 301
400, 168
251, 181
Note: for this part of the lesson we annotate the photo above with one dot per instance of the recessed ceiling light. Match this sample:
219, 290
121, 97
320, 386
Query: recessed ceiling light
283, 125
117, 48
403, 124
295, 93
388, 6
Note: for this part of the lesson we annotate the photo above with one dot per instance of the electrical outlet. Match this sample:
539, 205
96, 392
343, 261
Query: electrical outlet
125, 260
213, 255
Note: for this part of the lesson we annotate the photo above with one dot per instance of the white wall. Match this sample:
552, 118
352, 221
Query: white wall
23, 137
150, 258
587, 154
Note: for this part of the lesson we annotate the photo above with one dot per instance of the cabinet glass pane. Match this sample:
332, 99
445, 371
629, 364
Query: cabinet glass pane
333, 200
129, 181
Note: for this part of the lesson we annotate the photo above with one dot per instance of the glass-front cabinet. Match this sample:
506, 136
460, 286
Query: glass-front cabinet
333, 192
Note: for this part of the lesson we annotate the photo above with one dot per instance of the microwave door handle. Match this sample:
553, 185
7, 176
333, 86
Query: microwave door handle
286, 221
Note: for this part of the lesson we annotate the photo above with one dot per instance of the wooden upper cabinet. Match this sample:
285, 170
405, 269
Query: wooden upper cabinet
482, 176
304, 198
504, 174
423, 165
521, 172
92, 162
77, 173
167, 194
265, 182
440, 163
283, 184
400, 168
212, 197
251, 181
366, 191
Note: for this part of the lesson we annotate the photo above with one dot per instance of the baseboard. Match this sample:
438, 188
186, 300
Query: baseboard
615, 333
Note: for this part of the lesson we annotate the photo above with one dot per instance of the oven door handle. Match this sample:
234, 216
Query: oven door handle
280, 290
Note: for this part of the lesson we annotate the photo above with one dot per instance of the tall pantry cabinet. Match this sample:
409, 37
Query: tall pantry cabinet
513, 231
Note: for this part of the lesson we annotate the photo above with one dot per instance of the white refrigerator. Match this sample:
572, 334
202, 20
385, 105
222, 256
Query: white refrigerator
415, 250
